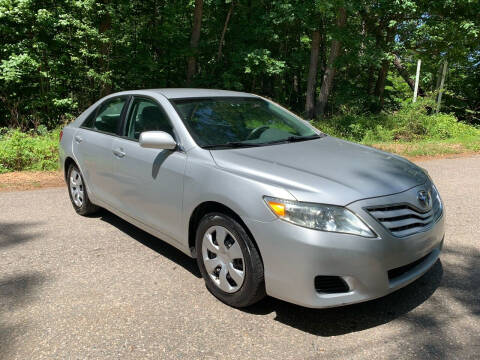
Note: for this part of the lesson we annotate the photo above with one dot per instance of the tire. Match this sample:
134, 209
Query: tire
78, 192
227, 251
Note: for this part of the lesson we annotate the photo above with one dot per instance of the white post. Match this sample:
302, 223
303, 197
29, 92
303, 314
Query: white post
417, 79
442, 82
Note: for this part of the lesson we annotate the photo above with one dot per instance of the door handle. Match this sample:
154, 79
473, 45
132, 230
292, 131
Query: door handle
119, 153
78, 139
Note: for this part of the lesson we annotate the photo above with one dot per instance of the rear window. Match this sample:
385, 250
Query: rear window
107, 117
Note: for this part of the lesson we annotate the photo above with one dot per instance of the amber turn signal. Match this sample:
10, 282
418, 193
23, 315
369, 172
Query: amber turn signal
277, 208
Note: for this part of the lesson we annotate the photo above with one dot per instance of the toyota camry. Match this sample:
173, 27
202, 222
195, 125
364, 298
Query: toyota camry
265, 202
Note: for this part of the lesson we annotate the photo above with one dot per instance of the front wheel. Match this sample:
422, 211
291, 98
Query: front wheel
78, 192
229, 261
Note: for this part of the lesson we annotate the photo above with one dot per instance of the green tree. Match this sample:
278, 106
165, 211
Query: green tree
57, 57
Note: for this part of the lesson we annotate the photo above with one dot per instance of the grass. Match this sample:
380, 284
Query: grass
431, 147
411, 131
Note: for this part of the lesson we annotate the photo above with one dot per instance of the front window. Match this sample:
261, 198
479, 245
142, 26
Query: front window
240, 122
146, 115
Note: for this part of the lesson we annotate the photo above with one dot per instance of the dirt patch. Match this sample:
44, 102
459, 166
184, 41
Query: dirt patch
405, 148
427, 151
30, 180
440, 156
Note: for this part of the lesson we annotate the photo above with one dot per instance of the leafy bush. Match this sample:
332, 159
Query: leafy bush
412, 122
446, 126
28, 151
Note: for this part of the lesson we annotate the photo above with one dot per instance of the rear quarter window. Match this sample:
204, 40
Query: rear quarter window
107, 116
88, 122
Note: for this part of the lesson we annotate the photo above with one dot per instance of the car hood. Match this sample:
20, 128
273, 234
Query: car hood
326, 170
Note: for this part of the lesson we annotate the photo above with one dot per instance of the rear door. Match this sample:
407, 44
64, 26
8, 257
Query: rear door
148, 182
92, 147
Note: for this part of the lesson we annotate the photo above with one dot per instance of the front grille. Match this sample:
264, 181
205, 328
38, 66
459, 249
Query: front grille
330, 284
404, 219
394, 273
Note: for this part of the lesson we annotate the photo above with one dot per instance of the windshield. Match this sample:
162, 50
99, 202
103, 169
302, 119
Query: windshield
240, 122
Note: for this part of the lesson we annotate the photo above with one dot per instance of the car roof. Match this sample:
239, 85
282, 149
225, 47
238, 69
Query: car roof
182, 93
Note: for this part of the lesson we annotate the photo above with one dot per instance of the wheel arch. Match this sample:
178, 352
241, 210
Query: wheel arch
208, 207
68, 161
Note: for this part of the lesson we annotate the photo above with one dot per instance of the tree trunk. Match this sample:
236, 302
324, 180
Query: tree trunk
371, 80
440, 89
380, 85
195, 38
312, 76
104, 26
222, 38
327, 82
12, 106
383, 72
295, 83
405, 75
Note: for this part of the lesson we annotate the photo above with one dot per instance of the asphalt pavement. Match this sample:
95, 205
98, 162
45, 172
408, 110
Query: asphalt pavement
98, 288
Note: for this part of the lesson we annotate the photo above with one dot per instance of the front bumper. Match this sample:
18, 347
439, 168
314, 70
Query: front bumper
293, 256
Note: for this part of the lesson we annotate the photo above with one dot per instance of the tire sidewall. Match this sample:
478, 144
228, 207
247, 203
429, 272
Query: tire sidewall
79, 209
241, 297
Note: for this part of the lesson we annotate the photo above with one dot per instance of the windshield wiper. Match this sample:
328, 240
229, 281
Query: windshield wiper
231, 145
294, 138
239, 144
303, 138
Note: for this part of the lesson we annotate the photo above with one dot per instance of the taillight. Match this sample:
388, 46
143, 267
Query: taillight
61, 134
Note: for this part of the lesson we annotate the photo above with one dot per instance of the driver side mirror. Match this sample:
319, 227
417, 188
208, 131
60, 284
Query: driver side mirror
157, 140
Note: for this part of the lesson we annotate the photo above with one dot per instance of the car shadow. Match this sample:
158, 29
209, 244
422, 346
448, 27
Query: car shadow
159, 160
150, 241
357, 317
320, 322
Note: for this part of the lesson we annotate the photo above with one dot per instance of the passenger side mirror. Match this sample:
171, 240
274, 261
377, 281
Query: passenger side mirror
157, 140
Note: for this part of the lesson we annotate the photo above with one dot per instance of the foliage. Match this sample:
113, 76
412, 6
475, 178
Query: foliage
57, 57
35, 150
412, 130
413, 122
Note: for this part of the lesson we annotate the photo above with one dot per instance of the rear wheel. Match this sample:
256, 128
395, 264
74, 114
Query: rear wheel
78, 192
229, 261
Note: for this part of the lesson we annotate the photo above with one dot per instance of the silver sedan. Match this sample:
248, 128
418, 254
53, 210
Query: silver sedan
265, 202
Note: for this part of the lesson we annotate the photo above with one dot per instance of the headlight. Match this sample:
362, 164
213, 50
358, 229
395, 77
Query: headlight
319, 217
436, 196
